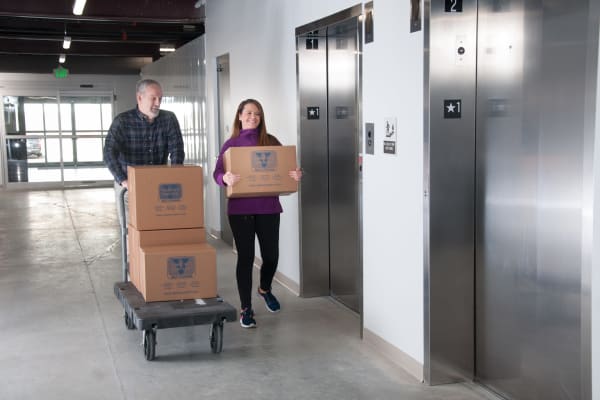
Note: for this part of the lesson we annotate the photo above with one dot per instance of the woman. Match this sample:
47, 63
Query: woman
252, 216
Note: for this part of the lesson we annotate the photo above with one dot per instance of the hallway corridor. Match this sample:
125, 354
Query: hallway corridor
63, 334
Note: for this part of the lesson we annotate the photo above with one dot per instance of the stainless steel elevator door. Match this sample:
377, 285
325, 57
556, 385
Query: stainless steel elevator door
314, 186
530, 116
343, 162
328, 82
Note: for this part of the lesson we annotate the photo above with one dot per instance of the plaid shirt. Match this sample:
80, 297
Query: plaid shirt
132, 140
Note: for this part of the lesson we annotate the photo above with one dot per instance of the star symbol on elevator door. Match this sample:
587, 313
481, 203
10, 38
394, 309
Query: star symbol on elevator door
312, 112
452, 108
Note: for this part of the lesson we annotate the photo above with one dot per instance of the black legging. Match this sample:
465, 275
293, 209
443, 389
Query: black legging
244, 228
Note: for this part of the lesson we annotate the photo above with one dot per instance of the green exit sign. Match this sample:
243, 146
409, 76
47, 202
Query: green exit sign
60, 72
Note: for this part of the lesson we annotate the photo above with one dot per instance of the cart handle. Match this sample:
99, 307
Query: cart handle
123, 233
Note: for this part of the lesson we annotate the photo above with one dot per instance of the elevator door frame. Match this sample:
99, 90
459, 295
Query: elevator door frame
224, 109
314, 276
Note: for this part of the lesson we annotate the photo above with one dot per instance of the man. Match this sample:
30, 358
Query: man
145, 135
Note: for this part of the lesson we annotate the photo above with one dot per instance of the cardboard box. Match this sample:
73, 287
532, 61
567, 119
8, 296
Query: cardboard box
137, 239
132, 258
165, 197
178, 272
263, 170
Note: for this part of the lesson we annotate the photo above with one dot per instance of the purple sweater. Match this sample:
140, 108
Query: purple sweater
245, 205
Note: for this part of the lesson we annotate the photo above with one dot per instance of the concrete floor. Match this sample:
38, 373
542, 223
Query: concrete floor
62, 333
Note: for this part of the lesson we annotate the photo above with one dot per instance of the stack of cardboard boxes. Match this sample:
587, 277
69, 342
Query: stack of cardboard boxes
169, 258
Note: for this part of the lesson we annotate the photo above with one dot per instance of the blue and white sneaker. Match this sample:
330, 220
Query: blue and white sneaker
270, 301
247, 318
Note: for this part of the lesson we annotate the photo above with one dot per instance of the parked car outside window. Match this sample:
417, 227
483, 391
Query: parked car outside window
34, 148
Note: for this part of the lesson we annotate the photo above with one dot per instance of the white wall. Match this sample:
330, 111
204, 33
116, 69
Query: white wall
393, 184
260, 39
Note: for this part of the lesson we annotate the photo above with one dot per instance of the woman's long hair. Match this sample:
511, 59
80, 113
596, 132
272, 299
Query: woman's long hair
264, 139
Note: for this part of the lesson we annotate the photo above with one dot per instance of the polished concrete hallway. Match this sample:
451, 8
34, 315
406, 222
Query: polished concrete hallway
62, 333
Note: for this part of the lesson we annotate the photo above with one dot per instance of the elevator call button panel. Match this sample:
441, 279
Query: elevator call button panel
370, 138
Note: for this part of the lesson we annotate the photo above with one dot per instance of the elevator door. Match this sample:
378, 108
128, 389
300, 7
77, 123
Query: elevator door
328, 78
508, 288
530, 145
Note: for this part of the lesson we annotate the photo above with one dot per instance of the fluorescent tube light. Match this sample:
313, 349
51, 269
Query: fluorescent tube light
62, 58
167, 48
67, 42
78, 7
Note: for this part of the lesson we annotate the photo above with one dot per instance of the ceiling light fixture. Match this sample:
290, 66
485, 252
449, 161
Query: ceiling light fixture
78, 7
67, 42
167, 48
62, 58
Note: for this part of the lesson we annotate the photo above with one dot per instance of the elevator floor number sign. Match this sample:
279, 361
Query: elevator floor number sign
453, 6
312, 41
312, 112
452, 108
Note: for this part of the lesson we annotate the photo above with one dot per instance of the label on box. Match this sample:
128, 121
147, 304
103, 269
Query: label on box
170, 192
181, 267
264, 160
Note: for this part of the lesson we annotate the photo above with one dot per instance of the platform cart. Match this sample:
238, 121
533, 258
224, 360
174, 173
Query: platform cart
149, 317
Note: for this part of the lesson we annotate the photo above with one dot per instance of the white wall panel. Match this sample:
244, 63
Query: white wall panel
393, 190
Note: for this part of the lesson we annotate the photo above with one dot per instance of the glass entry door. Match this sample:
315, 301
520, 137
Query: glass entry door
56, 140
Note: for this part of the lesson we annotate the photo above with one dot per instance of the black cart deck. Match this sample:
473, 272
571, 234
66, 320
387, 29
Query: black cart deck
171, 314
149, 317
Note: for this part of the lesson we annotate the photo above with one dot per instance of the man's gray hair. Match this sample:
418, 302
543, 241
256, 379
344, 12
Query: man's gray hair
141, 86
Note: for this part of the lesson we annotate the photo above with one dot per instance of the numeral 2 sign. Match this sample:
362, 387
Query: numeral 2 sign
453, 5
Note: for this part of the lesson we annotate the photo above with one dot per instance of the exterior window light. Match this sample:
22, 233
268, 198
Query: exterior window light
67, 42
62, 58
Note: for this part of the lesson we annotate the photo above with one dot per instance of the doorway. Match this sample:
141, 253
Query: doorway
56, 140
329, 82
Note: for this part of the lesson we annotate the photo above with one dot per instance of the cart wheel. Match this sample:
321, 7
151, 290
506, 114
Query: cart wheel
129, 322
149, 344
216, 337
